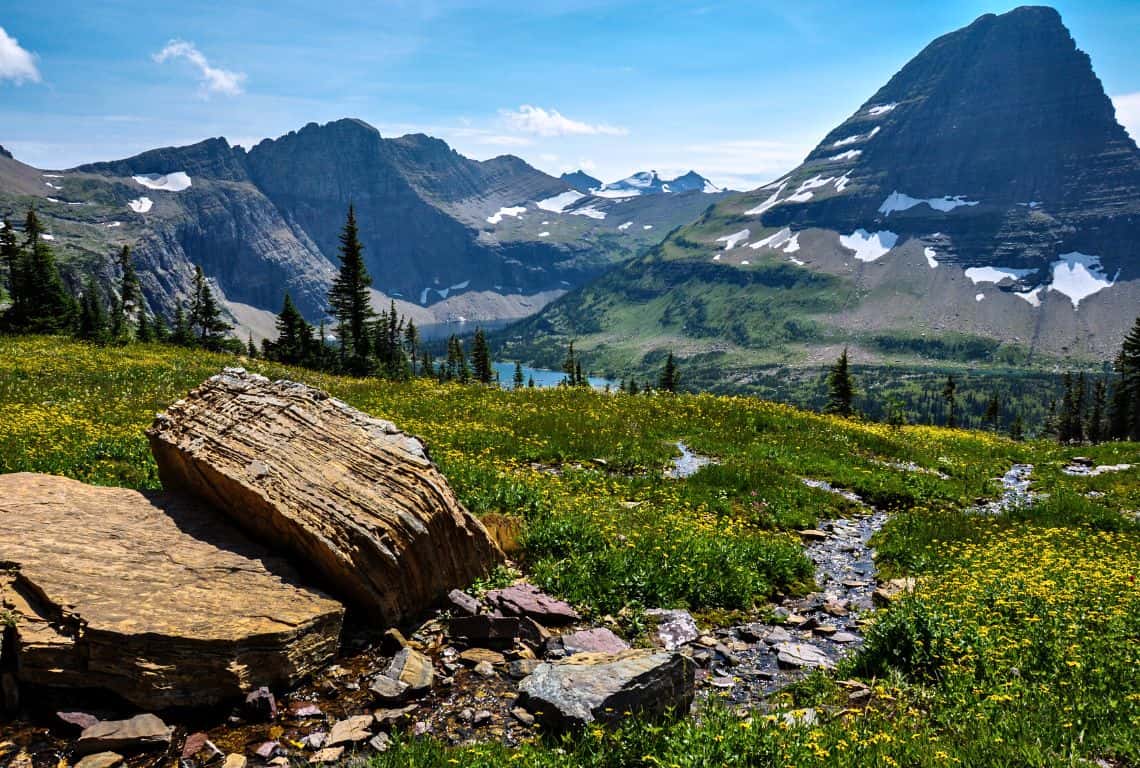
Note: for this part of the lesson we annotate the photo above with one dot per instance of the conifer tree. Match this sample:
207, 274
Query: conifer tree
530, 382
12, 258
145, 332
46, 306
569, 365
160, 329
129, 303
207, 327
294, 341
518, 380
1017, 428
349, 299
92, 319
993, 411
950, 395
670, 377
180, 333
481, 358
411, 342
250, 347
840, 388
1129, 366
1096, 427
579, 379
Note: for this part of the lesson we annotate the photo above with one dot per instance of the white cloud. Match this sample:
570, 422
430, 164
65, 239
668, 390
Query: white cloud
542, 122
214, 79
1128, 113
16, 64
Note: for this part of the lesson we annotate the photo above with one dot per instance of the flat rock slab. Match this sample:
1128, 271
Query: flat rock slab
150, 595
675, 628
140, 732
802, 656
597, 640
528, 600
350, 495
606, 688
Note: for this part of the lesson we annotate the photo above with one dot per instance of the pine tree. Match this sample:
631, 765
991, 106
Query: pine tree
579, 379
12, 258
349, 299
294, 343
568, 366
518, 380
145, 332
950, 395
670, 377
1097, 427
207, 327
481, 358
46, 306
411, 343
129, 303
161, 330
180, 334
993, 412
840, 388
250, 347
1068, 415
530, 382
1017, 428
92, 319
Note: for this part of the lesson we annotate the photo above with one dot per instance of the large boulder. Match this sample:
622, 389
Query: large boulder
353, 497
152, 596
605, 687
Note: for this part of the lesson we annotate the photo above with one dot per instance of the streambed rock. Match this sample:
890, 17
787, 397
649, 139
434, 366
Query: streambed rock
152, 596
606, 688
352, 496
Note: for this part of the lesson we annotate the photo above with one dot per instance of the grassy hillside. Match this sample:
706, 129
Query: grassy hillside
1019, 648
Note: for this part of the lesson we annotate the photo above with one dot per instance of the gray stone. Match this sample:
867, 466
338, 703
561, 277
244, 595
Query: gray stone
598, 640
461, 604
528, 600
388, 690
351, 730
139, 732
413, 669
802, 656
674, 628
603, 688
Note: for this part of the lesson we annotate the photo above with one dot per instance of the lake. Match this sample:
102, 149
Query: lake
543, 377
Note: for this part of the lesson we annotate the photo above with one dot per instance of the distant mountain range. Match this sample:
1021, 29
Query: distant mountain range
449, 238
983, 205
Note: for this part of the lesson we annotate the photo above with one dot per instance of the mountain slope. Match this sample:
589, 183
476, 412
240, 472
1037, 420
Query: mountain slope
985, 201
449, 238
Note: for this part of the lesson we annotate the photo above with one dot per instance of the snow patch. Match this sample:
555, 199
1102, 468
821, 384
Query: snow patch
716, 257
47, 237
797, 262
850, 154
647, 227
53, 200
897, 201
141, 204
113, 224
560, 203
979, 297
769, 203
730, 241
52, 186
881, 109
1032, 204
544, 234
780, 182
590, 211
857, 138
710, 189
774, 240
624, 227
166, 182
842, 182
929, 254
793, 245
744, 263
1033, 297
869, 246
513, 210
423, 295
996, 275
53, 175
1078, 276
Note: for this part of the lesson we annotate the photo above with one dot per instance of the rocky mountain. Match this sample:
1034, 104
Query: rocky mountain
983, 205
650, 183
581, 181
449, 238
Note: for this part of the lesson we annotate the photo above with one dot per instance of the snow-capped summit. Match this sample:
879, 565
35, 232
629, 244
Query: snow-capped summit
651, 183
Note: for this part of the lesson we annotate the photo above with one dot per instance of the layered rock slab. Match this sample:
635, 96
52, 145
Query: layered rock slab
152, 596
348, 494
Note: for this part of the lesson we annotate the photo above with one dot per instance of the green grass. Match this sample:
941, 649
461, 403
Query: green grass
1019, 648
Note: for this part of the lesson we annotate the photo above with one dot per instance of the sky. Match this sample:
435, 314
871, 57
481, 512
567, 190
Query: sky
738, 91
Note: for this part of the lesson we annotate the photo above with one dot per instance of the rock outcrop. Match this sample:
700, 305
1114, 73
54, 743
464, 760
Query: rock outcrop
605, 688
353, 497
151, 596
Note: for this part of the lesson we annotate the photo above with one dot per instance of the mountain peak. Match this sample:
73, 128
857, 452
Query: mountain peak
5, 153
581, 181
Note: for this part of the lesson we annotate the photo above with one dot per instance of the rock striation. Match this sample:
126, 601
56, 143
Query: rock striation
353, 497
151, 596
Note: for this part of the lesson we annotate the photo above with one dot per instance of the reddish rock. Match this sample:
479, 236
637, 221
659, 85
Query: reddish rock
598, 640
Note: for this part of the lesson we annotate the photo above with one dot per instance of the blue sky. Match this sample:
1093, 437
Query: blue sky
739, 91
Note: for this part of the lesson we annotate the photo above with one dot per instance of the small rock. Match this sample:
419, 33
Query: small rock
722, 682
351, 730
843, 637
796, 621
391, 719
890, 591
777, 635
234, 760
461, 604
327, 755
521, 668
835, 608
485, 669
381, 742
528, 600
473, 656
315, 740
599, 640
825, 630
859, 698
80, 720
802, 655
267, 749
813, 534
482, 717
139, 732
466, 715
483, 629
194, 744
388, 691
524, 717
412, 668
100, 760
530, 631
260, 705
303, 709
420, 728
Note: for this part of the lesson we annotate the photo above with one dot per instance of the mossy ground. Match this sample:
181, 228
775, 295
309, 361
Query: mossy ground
1019, 648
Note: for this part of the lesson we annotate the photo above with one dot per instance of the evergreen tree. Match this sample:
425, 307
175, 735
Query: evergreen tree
633, 386
181, 334
1097, 426
1017, 428
92, 319
518, 380
950, 395
993, 412
145, 332
569, 365
12, 258
207, 327
530, 382
840, 388
129, 303
45, 305
411, 342
160, 329
349, 299
1129, 365
579, 379
294, 343
481, 358
250, 347
670, 377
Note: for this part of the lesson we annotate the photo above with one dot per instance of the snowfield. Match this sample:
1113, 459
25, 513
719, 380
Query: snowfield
515, 210
929, 254
996, 275
168, 182
141, 204
771, 202
625, 226
774, 240
560, 203
856, 139
590, 211
897, 201
880, 109
850, 154
731, 241
869, 246
1078, 276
